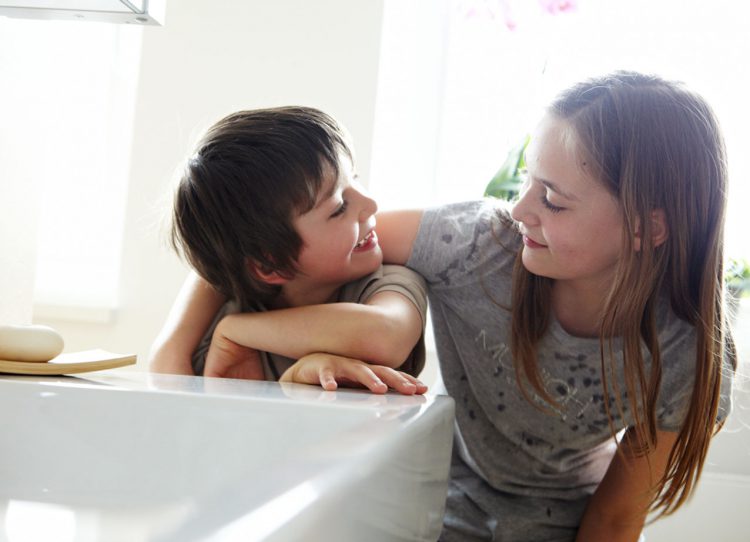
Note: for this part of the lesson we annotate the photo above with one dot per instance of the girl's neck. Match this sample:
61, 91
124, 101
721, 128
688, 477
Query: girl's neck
578, 307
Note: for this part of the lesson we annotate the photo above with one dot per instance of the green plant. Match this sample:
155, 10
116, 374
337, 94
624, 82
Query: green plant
507, 182
737, 275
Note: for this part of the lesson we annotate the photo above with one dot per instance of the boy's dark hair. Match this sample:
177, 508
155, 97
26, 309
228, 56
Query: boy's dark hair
251, 174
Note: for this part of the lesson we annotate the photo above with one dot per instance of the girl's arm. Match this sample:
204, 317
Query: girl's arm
396, 233
382, 331
617, 511
190, 316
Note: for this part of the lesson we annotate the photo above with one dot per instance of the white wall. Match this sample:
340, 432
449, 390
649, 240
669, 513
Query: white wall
210, 59
252, 53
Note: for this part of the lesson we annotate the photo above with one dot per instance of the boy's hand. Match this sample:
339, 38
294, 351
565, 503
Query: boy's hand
328, 371
227, 359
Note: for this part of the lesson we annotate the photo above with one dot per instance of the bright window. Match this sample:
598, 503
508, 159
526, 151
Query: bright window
68, 94
458, 87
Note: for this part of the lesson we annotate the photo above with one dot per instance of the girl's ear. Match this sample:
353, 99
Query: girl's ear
659, 230
267, 275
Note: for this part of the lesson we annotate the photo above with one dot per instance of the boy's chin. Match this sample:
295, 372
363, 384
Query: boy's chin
374, 263
377, 262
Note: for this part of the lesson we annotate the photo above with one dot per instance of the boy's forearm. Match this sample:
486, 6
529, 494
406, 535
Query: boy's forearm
379, 334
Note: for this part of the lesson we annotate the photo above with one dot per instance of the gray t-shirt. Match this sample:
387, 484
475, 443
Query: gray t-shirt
392, 278
466, 253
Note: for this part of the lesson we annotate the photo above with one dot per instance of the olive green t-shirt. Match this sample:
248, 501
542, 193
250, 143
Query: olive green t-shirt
392, 278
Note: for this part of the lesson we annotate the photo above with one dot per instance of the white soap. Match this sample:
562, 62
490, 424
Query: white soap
29, 343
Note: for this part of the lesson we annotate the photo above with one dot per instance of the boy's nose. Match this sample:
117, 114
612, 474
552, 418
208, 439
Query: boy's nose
368, 207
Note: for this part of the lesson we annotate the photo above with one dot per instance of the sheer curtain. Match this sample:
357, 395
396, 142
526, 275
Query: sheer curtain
67, 95
461, 82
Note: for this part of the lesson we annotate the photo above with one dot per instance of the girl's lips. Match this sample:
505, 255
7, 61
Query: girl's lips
529, 242
369, 242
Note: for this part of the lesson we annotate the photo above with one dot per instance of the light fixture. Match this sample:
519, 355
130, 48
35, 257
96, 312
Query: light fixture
140, 12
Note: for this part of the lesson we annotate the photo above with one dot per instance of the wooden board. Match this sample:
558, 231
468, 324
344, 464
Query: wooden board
73, 362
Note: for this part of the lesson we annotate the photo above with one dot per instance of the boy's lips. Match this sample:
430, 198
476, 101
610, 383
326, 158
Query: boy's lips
368, 242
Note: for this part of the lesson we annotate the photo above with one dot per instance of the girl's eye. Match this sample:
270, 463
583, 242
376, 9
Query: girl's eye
523, 175
342, 208
550, 206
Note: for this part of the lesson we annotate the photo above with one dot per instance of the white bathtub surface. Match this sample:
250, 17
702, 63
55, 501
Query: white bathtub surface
136, 457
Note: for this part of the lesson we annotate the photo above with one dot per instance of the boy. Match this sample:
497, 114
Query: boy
268, 212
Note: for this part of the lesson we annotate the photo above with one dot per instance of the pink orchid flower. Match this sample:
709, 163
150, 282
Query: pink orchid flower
554, 7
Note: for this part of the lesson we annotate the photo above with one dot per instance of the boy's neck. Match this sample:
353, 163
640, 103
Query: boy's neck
294, 295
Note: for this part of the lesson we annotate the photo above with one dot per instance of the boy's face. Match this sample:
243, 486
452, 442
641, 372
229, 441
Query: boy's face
338, 234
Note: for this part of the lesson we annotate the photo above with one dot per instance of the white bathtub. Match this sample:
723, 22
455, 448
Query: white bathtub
135, 457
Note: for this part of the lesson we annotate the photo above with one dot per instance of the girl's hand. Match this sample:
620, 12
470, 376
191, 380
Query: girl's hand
328, 371
227, 359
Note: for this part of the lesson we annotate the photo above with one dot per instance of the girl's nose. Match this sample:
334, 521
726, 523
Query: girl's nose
523, 209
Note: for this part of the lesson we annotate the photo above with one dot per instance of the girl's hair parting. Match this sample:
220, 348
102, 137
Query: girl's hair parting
250, 175
657, 147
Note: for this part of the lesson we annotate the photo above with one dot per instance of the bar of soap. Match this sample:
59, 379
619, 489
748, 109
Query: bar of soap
29, 343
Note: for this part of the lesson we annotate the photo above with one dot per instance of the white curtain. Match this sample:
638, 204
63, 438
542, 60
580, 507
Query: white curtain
18, 227
67, 94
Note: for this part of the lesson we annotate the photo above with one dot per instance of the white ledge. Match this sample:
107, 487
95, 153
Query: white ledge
71, 313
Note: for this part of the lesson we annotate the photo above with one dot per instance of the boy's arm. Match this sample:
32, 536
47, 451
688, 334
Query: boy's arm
382, 331
192, 312
617, 511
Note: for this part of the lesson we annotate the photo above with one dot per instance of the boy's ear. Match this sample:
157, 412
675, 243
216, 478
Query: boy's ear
265, 274
659, 229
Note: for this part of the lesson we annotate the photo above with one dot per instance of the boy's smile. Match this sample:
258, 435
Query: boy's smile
340, 243
369, 242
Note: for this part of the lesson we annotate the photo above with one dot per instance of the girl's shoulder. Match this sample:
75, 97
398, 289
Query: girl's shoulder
675, 334
472, 219
455, 242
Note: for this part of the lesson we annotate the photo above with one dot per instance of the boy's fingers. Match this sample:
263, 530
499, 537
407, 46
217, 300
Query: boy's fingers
364, 375
421, 387
397, 380
327, 380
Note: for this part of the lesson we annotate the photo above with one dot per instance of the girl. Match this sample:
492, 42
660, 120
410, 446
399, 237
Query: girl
592, 309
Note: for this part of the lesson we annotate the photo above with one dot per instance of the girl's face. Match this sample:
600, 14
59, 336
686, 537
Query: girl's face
571, 224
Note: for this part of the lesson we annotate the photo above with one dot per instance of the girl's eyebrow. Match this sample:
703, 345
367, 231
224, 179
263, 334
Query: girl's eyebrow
552, 186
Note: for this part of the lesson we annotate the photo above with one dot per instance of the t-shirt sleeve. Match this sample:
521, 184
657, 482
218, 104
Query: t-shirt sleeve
456, 241
677, 390
728, 373
411, 285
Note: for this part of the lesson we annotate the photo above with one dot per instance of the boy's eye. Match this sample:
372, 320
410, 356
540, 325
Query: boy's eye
340, 210
549, 205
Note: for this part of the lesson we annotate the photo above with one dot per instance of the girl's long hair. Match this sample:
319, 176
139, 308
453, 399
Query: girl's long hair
657, 146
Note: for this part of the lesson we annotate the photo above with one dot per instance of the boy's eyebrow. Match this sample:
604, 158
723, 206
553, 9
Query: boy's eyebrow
328, 194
